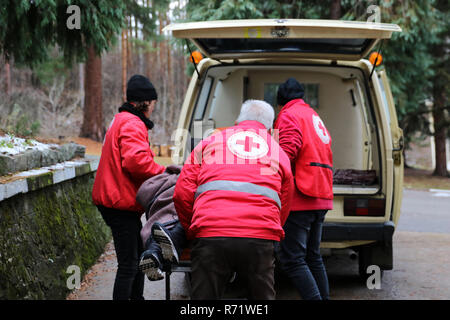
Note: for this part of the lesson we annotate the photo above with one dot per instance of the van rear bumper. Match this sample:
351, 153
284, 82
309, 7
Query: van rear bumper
358, 231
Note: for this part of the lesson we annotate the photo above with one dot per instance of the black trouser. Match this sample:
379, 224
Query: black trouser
126, 227
300, 255
215, 259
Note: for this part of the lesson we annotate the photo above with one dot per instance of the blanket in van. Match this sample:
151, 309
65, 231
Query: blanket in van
355, 177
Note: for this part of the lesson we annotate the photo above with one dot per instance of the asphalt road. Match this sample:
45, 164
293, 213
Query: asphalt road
421, 260
425, 211
421, 256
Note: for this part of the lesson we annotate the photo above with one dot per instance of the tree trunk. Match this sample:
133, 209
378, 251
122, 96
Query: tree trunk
335, 10
161, 43
7, 78
129, 46
154, 60
124, 65
81, 82
147, 61
93, 116
170, 77
439, 115
147, 55
440, 132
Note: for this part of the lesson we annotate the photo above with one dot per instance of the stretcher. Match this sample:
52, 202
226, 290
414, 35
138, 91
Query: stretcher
183, 266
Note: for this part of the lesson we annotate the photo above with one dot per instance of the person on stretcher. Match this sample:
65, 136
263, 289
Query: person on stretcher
162, 235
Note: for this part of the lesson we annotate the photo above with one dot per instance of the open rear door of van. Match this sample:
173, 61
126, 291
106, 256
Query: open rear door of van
266, 38
397, 145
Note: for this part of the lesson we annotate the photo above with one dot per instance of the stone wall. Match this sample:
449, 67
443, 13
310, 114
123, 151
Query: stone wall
40, 158
48, 223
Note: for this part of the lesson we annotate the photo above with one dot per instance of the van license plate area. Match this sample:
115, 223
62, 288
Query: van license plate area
364, 207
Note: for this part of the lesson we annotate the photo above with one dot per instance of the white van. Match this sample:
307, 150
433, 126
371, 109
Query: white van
248, 59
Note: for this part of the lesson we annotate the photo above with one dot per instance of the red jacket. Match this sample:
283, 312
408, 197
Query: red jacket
126, 162
233, 185
307, 142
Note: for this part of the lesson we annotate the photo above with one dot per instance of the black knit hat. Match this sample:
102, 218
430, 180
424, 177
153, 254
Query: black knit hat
290, 90
139, 88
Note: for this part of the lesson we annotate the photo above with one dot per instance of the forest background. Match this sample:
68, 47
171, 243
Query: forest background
60, 82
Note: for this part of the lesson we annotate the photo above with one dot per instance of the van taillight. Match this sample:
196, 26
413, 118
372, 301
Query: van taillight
364, 207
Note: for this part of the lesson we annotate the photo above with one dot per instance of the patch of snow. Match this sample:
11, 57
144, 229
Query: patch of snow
11, 145
71, 163
58, 166
33, 172
441, 194
440, 190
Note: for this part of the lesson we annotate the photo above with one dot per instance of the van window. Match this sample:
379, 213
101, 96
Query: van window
270, 93
311, 94
385, 102
203, 99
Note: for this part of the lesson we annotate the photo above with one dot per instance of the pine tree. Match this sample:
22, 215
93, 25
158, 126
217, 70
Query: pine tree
29, 28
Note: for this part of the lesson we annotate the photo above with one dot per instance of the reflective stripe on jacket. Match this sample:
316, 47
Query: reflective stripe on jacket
247, 187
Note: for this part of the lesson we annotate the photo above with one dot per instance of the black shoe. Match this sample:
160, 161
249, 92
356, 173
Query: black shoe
163, 237
150, 265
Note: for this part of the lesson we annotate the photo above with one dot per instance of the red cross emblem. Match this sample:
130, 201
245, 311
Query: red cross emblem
320, 129
248, 144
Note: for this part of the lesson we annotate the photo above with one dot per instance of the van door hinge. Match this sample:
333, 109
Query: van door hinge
397, 150
397, 157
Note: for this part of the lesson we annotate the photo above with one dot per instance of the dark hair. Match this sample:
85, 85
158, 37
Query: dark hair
142, 106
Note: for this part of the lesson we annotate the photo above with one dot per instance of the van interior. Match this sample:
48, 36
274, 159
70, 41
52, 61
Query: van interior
338, 94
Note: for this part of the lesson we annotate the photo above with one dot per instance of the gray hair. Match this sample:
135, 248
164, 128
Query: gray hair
257, 110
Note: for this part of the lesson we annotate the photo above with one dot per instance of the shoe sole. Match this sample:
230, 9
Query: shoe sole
149, 267
169, 252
